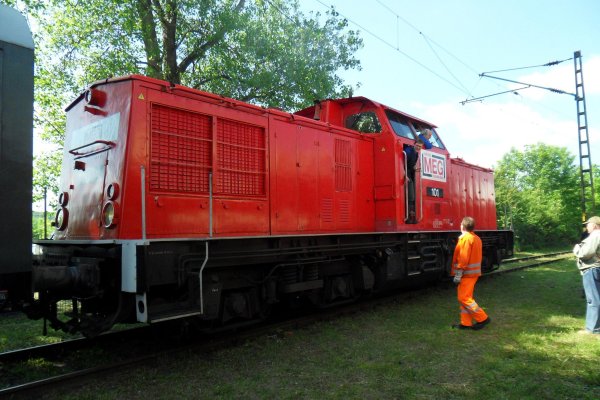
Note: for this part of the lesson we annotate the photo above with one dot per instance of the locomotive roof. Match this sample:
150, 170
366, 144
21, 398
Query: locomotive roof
343, 101
349, 100
161, 83
303, 112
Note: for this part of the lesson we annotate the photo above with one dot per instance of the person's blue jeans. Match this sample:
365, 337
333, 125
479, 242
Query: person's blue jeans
591, 286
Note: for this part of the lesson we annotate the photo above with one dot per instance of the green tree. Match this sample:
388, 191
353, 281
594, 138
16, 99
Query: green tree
262, 51
40, 229
537, 190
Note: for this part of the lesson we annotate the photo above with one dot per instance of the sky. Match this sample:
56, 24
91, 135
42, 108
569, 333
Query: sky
425, 57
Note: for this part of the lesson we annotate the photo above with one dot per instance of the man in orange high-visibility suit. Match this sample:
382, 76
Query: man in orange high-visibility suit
466, 269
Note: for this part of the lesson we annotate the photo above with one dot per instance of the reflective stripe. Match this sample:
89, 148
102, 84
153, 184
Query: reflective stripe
474, 268
472, 272
472, 308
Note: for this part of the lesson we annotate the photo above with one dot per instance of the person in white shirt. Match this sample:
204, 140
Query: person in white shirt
588, 262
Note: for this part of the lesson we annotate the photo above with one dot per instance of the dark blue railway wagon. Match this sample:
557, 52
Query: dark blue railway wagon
16, 124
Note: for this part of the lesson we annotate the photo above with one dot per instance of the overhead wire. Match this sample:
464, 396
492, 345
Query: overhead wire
514, 91
426, 37
446, 67
422, 65
548, 64
429, 41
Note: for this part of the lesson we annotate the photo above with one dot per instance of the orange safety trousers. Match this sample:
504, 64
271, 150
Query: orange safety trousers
469, 309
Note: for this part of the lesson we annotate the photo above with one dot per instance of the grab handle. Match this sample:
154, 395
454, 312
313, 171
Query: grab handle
107, 146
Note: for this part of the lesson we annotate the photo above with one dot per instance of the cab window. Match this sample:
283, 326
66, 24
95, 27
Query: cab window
434, 139
366, 122
399, 125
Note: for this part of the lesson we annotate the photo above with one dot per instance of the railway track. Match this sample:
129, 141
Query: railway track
146, 338
516, 264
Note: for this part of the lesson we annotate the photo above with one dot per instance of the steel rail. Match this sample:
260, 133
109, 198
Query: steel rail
543, 259
54, 349
520, 259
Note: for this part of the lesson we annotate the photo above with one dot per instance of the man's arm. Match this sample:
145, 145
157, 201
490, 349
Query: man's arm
587, 248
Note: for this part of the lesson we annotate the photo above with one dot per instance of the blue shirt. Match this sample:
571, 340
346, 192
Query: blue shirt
426, 143
411, 160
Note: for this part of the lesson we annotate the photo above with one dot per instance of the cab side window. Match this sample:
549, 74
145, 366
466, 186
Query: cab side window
366, 122
399, 125
434, 139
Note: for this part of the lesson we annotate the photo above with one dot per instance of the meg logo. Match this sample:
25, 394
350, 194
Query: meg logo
433, 166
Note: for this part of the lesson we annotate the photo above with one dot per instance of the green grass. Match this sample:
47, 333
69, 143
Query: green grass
406, 350
17, 332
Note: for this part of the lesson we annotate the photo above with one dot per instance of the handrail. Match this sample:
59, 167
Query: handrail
143, 199
420, 194
107, 143
406, 210
210, 204
200, 278
405, 187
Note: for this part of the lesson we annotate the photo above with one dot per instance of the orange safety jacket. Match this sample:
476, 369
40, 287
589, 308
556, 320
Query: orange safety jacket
467, 255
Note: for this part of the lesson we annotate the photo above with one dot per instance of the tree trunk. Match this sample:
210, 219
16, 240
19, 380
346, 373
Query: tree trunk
148, 26
169, 25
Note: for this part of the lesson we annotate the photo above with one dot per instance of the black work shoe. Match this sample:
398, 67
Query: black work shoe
480, 325
461, 326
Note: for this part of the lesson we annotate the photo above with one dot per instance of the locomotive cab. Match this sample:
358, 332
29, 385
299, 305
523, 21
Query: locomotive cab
394, 133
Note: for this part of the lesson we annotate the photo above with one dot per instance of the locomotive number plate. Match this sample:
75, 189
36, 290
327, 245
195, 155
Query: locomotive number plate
435, 192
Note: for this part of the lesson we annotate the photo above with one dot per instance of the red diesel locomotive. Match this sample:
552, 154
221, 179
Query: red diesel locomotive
179, 203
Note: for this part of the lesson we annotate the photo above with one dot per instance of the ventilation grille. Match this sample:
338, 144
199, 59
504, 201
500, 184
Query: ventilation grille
181, 154
241, 156
327, 210
344, 211
343, 165
180, 150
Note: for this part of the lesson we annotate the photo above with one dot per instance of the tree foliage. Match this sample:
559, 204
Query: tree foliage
266, 52
262, 51
537, 192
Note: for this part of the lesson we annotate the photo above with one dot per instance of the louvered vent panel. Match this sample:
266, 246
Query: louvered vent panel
344, 211
180, 150
241, 158
343, 165
327, 210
